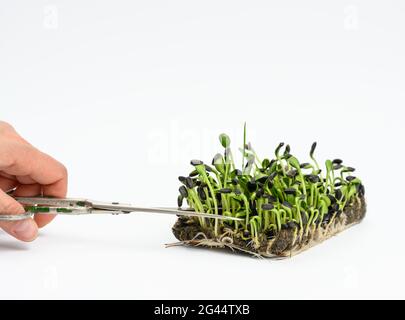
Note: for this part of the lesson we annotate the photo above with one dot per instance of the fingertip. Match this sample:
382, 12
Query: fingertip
25, 230
43, 219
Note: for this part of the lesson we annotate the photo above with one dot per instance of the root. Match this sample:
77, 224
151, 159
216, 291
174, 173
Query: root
286, 243
224, 241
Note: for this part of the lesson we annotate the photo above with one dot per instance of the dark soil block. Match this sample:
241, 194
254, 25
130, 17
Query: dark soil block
287, 242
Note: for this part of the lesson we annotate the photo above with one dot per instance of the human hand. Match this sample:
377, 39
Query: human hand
32, 173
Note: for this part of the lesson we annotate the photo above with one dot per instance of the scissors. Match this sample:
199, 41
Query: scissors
73, 207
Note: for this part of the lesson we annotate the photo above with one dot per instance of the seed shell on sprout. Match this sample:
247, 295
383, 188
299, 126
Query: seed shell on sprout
350, 178
337, 161
332, 199
287, 204
201, 193
313, 178
338, 194
273, 176
262, 180
180, 201
189, 183
313, 148
292, 173
337, 167
193, 173
292, 225
196, 162
305, 165
361, 190
291, 191
259, 193
182, 179
270, 198
268, 206
183, 191
225, 190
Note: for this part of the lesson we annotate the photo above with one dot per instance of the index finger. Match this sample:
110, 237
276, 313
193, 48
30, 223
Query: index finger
20, 159
48, 176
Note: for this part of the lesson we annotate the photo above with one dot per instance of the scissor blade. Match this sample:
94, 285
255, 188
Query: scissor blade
129, 208
80, 206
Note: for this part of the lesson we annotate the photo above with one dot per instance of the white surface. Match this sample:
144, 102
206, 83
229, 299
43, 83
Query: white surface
125, 93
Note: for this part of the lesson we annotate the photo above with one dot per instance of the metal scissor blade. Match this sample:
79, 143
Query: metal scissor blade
80, 206
115, 206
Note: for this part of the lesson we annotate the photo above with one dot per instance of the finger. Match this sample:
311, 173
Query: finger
24, 230
31, 165
57, 190
25, 180
20, 159
7, 184
33, 190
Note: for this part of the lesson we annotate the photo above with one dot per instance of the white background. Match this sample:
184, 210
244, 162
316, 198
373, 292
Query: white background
125, 93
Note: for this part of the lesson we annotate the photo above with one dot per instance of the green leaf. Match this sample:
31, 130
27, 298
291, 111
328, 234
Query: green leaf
329, 165
294, 162
265, 163
225, 140
325, 199
219, 163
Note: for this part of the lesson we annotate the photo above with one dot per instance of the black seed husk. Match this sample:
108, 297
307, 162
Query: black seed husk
180, 201
225, 190
287, 204
189, 183
270, 198
193, 173
201, 193
291, 191
332, 199
313, 147
196, 162
182, 179
350, 178
267, 206
183, 191
292, 173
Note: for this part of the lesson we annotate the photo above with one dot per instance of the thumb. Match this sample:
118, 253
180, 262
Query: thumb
24, 230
